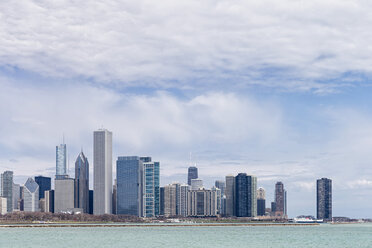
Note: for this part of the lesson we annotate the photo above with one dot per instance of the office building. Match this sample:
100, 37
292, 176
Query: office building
161, 200
102, 171
245, 195
61, 161
202, 203
82, 183
16, 196
221, 185
49, 201
196, 184
273, 208
192, 174
44, 185
170, 200
182, 206
7, 189
151, 196
324, 199
280, 200
217, 192
91, 201
31, 196
261, 202
129, 176
230, 195
3, 205
63, 195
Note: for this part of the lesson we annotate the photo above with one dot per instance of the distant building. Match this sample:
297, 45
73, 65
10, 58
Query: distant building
49, 201
16, 196
129, 175
82, 183
261, 202
183, 200
324, 199
246, 195
7, 189
151, 195
273, 208
170, 200
217, 192
114, 196
91, 201
31, 196
161, 200
44, 185
63, 195
192, 174
202, 203
196, 184
230, 195
42, 205
221, 185
61, 161
102, 171
280, 199
3, 206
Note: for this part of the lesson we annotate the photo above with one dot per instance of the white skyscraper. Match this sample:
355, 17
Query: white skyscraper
31, 196
102, 172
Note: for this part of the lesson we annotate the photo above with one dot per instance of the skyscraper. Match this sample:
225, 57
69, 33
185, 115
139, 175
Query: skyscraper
63, 194
151, 196
82, 183
7, 189
230, 195
221, 185
246, 195
261, 202
196, 183
192, 174
280, 198
31, 196
202, 202
102, 171
61, 158
129, 176
324, 199
170, 200
49, 201
16, 196
183, 200
44, 185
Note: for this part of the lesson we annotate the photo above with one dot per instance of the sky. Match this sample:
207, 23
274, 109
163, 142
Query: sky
277, 89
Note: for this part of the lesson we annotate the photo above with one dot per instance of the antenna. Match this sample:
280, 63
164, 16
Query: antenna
190, 160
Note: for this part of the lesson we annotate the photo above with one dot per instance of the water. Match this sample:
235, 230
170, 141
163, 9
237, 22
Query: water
353, 235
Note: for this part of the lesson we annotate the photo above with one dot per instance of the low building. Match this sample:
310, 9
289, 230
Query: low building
202, 203
3, 206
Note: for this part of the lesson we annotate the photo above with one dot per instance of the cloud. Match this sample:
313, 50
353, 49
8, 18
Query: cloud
316, 46
361, 183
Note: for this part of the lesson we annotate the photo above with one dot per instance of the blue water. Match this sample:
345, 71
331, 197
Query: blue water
353, 235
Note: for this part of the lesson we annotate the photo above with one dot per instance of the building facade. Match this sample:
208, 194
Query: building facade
16, 196
245, 195
261, 202
3, 205
192, 174
221, 185
63, 195
183, 200
196, 184
280, 200
202, 203
31, 196
102, 171
129, 176
7, 189
82, 183
49, 201
324, 199
151, 194
230, 196
170, 200
44, 185
61, 161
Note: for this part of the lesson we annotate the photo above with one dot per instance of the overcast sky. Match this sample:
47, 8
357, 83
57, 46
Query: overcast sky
278, 89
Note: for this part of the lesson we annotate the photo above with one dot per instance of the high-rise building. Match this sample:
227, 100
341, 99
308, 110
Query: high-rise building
261, 202
230, 195
44, 185
246, 195
3, 205
61, 161
102, 171
31, 196
217, 192
7, 189
280, 199
16, 196
196, 184
91, 201
161, 200
324, 199
49, 201
170, 200
151, 196
202, 203
192, 174
183, 200
82, 183
221, 185
129, 176
114, 196
273, 208
63, 194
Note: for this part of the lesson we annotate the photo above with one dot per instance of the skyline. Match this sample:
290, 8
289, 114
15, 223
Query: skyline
280, 93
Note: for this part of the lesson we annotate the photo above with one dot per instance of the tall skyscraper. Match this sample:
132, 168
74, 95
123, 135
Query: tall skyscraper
324, 199
16, 196
280, 199
246, 195
221, 185
61, 161
82, 183
31, 196
44, 185
170, 200
102, 171
161, 200
183, 200
129, 176
49, 201
261, 202
151, 196
7, 189
230, 195
192, 174
63, 194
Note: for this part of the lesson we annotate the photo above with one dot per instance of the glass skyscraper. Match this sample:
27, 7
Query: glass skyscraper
31, 196
246, 196
7, 189
129, 176
151, 196
61, 158
324, 199
82, 183
44, 185
192, 174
